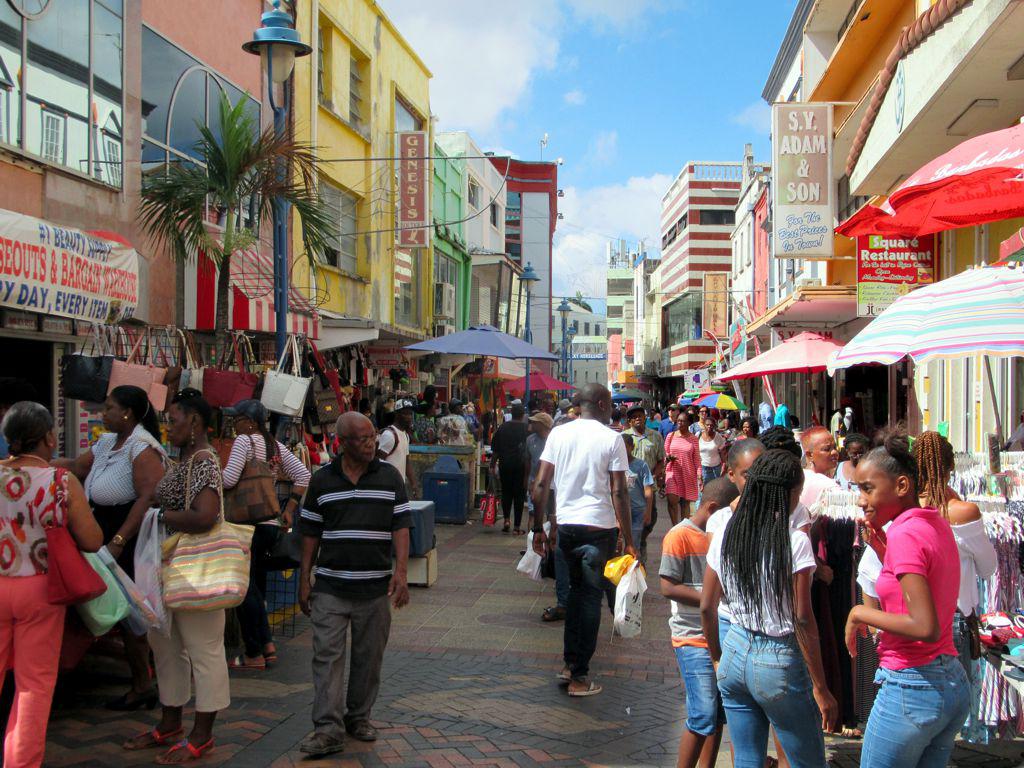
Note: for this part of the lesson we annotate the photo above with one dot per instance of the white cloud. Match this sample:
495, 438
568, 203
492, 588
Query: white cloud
575, 98
482, 65
757, 115
602, 150
595, 216
612, 13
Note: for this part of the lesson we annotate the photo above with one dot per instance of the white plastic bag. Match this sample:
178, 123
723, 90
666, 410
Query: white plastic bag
531, 563
629, 602
149, 567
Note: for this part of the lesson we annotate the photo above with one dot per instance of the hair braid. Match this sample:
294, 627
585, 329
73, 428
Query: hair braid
934, 456
780, 438
757, 551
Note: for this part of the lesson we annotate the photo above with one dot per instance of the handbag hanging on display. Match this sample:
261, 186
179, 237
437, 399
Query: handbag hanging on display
192, 367
285, 393
69, 577
85, 375
138, 371
223, 387
254, 497
206, 571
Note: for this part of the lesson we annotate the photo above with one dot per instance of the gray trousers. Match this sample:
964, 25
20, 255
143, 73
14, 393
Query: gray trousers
336, 704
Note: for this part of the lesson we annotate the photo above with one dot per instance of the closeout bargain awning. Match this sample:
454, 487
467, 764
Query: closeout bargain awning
56, 270
251, 302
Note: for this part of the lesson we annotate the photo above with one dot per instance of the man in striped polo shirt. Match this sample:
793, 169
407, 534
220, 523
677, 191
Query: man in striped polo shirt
355, 516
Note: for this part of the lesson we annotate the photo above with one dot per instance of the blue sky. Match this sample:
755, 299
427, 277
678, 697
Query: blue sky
628, 90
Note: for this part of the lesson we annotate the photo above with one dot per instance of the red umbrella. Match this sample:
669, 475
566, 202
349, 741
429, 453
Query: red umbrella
538, 381
979, 181
804, 353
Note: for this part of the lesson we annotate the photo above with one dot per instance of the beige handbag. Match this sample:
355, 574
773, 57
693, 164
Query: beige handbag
139, 372
285, 393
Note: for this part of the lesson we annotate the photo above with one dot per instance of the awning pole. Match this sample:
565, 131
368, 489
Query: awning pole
995, 403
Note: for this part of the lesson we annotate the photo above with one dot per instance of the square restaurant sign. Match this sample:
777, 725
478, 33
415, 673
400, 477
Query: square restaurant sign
889, 267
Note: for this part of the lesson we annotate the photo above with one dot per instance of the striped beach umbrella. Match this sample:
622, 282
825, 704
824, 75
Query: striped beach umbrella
721, 402
978, 312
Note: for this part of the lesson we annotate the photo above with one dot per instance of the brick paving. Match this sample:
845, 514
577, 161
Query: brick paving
469, 679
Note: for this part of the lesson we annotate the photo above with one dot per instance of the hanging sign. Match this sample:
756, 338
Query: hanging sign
889, 267
413, 211
803, 198
716, 303
53, 270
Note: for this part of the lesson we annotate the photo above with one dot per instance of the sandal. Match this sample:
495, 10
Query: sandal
553, 613
157, 739
242, 663
270, 657
194, 752
591, 690
849, 733
504, 528
564, 677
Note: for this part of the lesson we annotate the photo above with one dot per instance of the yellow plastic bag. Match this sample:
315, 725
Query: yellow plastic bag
617, 567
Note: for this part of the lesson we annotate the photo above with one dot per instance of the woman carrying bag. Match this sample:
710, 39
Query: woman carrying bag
190, 500
255, 444
31, 628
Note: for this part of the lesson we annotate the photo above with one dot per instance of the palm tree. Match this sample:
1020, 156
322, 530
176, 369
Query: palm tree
236, 173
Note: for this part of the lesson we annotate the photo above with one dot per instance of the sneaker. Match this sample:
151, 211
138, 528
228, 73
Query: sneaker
320, 744
362, 731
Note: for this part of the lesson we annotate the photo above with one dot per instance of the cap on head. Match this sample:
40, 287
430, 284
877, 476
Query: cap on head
543, 418
564, 404
253, 410
404, 403
635, 410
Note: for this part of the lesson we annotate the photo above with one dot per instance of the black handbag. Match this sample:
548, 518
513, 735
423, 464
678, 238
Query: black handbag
86, 375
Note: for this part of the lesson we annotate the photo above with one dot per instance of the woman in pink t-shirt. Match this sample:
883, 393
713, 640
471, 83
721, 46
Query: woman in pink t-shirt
924, 697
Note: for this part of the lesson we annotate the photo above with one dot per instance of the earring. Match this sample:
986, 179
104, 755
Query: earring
125, 417
192, 440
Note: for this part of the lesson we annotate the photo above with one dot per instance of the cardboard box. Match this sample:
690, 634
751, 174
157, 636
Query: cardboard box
423, 570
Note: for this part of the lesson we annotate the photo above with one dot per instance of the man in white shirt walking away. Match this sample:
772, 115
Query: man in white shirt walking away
587, 463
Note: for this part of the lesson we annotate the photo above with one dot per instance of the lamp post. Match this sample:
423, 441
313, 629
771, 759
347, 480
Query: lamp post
277, 43
564, 309
570, 336
528, 277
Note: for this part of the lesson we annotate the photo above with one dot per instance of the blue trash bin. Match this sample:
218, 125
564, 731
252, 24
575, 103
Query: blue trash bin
421, 537
447, 485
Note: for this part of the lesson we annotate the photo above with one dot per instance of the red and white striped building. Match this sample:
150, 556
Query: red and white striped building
697, 217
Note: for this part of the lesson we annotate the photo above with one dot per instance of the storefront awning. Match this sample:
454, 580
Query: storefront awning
811, 307
55, 270
341, 331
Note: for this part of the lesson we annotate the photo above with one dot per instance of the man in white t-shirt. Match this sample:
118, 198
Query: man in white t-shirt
587, 463
393, 443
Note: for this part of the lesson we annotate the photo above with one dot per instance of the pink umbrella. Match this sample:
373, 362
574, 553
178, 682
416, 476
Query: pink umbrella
979, 181
804, 353
538, 381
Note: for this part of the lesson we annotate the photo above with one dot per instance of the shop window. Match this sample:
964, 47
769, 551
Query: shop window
344, 207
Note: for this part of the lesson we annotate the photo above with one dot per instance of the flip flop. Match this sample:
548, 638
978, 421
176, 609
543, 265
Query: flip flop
592, 690
159, 739
240, 663
195, 753
564, 677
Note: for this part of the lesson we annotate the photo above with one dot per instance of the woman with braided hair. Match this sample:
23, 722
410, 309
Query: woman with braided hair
770, 671
924, 697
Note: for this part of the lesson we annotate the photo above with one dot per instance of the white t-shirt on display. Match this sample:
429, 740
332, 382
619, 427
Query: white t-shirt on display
800, 518
711, 450
773, 623
584, 453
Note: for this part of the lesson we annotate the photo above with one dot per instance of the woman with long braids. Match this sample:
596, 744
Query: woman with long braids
924, 697
770, 671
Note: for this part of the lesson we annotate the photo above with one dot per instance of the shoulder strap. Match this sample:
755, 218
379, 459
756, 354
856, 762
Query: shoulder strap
397, 438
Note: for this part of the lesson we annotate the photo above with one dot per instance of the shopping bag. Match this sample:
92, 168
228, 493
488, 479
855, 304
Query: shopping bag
629, 601
531, 562
617, 567
489, 508
148, 567
70, 579
101, 614
141, 616
283, 392
85, 375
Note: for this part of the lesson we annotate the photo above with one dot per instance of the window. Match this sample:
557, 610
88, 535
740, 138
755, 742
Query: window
586, 329
343, 208
494, 215
682, 320
716, 217
356, 89
52, 147
445, 269
620, 286
72, 46
614, 310
597, 329
112, 158
474, 195
322, 62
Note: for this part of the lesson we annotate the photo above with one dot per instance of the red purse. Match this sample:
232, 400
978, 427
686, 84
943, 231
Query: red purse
489, 506
69, 577
223, 387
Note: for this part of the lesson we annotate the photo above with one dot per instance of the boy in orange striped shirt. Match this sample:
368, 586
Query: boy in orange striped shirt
683, 555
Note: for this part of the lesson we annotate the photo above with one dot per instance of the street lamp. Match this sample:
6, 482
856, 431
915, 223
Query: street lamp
571, 336
564, 309
529, 276
277, 43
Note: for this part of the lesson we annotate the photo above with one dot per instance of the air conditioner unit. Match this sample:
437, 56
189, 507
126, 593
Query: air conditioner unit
444, 300
443, 329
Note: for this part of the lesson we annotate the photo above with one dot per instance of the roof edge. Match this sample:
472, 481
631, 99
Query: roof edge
788, 49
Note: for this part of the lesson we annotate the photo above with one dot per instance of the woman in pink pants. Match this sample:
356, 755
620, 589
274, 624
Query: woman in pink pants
31, 493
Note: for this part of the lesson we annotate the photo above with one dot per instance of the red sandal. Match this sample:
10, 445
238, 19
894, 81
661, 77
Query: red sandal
159, 739
195, 752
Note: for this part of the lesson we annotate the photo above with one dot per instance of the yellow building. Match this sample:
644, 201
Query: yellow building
361, 85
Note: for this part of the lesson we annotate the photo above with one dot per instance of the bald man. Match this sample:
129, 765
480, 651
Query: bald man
354, 520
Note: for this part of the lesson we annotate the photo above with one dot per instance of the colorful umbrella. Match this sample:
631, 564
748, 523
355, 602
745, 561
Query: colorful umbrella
722, 402
804, 353
979, 181
628, 396
538, 381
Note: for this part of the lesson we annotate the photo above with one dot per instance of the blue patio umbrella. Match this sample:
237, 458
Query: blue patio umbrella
484, 340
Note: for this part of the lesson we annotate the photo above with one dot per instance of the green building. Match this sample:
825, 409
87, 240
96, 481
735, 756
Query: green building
452, 264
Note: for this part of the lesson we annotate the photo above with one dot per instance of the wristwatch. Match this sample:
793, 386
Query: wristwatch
118, 540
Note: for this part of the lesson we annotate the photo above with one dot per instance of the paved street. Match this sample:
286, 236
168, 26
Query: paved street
469, 679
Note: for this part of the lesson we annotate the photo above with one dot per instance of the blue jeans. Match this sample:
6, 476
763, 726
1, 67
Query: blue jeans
561, 579
707, 474
704, 714
916, 715
764, 681
586, 551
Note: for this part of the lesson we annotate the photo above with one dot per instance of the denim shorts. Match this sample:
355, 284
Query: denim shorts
704, 713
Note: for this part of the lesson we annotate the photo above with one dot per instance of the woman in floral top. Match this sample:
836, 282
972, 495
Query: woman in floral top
33, 495
189, 497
